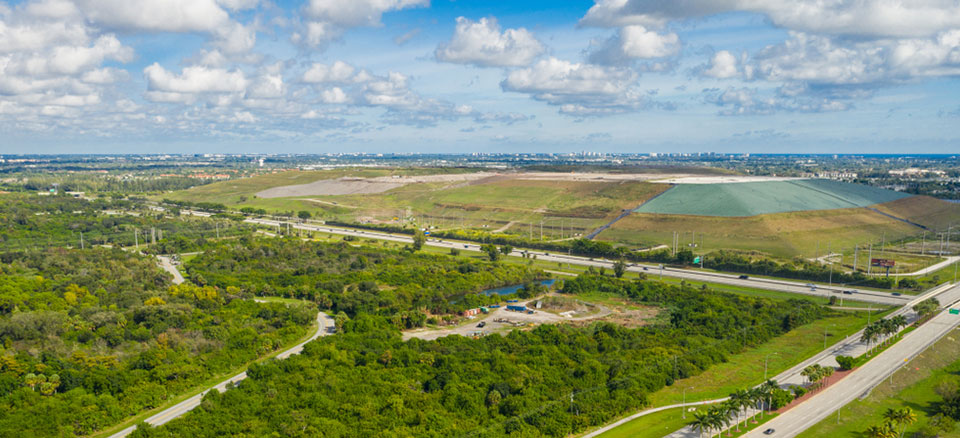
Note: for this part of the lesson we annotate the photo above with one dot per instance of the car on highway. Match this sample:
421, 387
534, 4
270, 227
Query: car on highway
896, 294
482, 324
848, 292
744, 277
466, 246
769, 431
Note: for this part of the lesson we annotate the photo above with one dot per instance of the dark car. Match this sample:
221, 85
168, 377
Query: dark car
769, 431
848, 292
896, 294
482, 324
744, 277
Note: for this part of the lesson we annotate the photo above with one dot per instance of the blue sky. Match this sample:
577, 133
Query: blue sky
172, 76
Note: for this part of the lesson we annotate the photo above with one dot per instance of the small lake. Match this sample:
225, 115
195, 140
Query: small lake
506, 290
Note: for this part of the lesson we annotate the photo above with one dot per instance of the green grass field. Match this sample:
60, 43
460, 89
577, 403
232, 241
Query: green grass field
911, 386
656, 425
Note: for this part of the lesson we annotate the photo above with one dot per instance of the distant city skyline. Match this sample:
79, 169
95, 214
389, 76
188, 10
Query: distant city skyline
383, 76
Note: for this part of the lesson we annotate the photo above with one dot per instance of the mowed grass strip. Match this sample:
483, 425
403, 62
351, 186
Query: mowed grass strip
911, 386
655, 425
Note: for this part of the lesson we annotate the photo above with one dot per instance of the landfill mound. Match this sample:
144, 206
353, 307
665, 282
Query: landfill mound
754, 198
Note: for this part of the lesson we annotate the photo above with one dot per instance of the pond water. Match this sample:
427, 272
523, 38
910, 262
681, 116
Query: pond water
506, 290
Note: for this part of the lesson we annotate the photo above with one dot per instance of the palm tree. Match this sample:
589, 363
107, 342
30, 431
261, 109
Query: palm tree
900, 320
742, 399
731, 408
701, 422
869, 335
717, 418
884, 430
808, 372
756, 398
901, 418
768, 387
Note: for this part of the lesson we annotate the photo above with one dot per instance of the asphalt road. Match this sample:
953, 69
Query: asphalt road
324, 327
651, 270
167, 264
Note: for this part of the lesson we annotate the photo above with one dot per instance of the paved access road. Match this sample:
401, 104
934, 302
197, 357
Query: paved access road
167, 264
865, 378
728, 279
324, 327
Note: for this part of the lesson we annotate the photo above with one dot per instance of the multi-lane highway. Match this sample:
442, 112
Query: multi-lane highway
652, 270
324, 327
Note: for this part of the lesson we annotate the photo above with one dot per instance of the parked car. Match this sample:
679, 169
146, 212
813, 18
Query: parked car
482, 324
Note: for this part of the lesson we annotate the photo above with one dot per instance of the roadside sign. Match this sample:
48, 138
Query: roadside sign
696, 260
955, 311
883, 263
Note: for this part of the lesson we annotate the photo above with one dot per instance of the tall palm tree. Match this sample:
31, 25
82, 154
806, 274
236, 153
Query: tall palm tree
884, 430
901, 418
718, 418
900, 320
731, 408
701, 422
869, 335
742, 398
768, 387
756, 398
807, 372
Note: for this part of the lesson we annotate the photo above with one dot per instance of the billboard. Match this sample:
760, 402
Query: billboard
882, 263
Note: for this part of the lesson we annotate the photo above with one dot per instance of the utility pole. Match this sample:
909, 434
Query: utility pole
136, 240
949, 231
541, 229
217, 224
816, 255
883, 242
870, 259
923, 240
81, 240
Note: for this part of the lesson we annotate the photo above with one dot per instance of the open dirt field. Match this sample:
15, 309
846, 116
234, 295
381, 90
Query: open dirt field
357, 186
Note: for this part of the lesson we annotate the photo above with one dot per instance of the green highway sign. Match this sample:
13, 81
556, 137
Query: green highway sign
696, 260
955, 311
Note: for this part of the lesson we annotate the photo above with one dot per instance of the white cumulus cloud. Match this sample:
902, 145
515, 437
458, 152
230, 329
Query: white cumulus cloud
578, 88
327, 20
482, 43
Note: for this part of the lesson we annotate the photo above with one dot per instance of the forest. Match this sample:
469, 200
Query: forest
90, 337
550, 381
402, 285
29, 221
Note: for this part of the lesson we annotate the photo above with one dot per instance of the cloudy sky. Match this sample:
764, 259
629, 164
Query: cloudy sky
859, 76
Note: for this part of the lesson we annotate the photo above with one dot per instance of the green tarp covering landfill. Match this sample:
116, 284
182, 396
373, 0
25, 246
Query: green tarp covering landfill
753, 198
